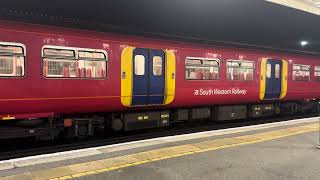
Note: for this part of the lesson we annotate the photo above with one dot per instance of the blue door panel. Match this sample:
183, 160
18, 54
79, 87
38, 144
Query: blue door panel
156, 91
269, 88
277, 82
148, 89
140, 82
273, 83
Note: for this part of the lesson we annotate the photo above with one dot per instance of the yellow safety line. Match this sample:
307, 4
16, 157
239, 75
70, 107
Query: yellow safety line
106, 165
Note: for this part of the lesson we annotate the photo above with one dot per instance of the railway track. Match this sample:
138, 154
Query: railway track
19, 148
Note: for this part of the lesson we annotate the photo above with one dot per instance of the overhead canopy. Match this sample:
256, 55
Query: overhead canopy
310, 6
246, 22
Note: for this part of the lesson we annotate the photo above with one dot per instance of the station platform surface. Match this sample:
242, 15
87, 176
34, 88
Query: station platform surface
284, 150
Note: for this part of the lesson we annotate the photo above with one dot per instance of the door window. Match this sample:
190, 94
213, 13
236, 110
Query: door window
268, 73
277, 71
139, 65
157, 65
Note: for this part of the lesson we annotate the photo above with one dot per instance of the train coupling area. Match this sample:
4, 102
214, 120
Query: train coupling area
281, 150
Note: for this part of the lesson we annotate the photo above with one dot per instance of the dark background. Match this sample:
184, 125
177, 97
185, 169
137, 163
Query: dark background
246, 22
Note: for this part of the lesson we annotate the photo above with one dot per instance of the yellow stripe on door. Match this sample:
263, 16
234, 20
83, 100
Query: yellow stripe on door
284, 79
170, 79
126, 76
263, 78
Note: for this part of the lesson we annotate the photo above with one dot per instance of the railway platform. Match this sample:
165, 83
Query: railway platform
281, 150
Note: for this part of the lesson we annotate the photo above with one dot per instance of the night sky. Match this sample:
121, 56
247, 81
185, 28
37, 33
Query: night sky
247, 22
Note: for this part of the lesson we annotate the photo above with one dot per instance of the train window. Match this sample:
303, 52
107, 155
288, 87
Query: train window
240, 70
66, 62
317, 73
247, 70
93, 62
59, 53
277, 71
300, 72
268, 71
91, 55
139, 65
60, 68
202, 69
157, 65
12, 59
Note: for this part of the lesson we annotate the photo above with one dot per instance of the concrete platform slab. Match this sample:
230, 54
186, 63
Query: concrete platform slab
68, 155
6, 166
106, 161
290, 158
25, 176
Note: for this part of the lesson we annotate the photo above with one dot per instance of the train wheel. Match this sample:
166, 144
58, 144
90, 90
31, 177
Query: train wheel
117, 124
277, 110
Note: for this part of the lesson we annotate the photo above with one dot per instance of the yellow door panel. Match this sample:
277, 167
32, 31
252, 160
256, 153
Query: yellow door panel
126, 76
263, 78
284, 79
170, 79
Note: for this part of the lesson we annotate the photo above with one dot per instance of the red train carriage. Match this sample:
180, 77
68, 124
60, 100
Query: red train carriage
70, 78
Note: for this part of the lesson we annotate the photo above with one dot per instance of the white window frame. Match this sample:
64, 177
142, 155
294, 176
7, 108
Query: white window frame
75, 58
154, 65
201, 59
277, 75
24, 55
137, 61
314, 73
301, 65
240, 67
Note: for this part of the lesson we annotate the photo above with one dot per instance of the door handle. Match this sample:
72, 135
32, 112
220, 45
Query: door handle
123, 75
172, 76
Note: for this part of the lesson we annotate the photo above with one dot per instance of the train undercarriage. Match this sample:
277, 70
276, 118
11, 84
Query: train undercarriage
86, 125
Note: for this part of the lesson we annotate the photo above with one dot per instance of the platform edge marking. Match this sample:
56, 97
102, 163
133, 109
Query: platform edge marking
155, 141
237, 142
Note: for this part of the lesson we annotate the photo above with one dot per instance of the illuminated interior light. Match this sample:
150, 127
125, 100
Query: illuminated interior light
304, 43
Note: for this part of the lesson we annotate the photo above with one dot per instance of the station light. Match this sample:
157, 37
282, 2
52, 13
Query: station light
304, 43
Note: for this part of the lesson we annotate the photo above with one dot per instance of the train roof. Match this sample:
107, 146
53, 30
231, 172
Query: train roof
243, 23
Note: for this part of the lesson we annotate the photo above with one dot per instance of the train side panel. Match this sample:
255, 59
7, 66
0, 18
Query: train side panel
214, 92
36, 94
303, 89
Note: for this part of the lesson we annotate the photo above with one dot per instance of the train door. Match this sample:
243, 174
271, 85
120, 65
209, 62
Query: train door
273, 79
148, 77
